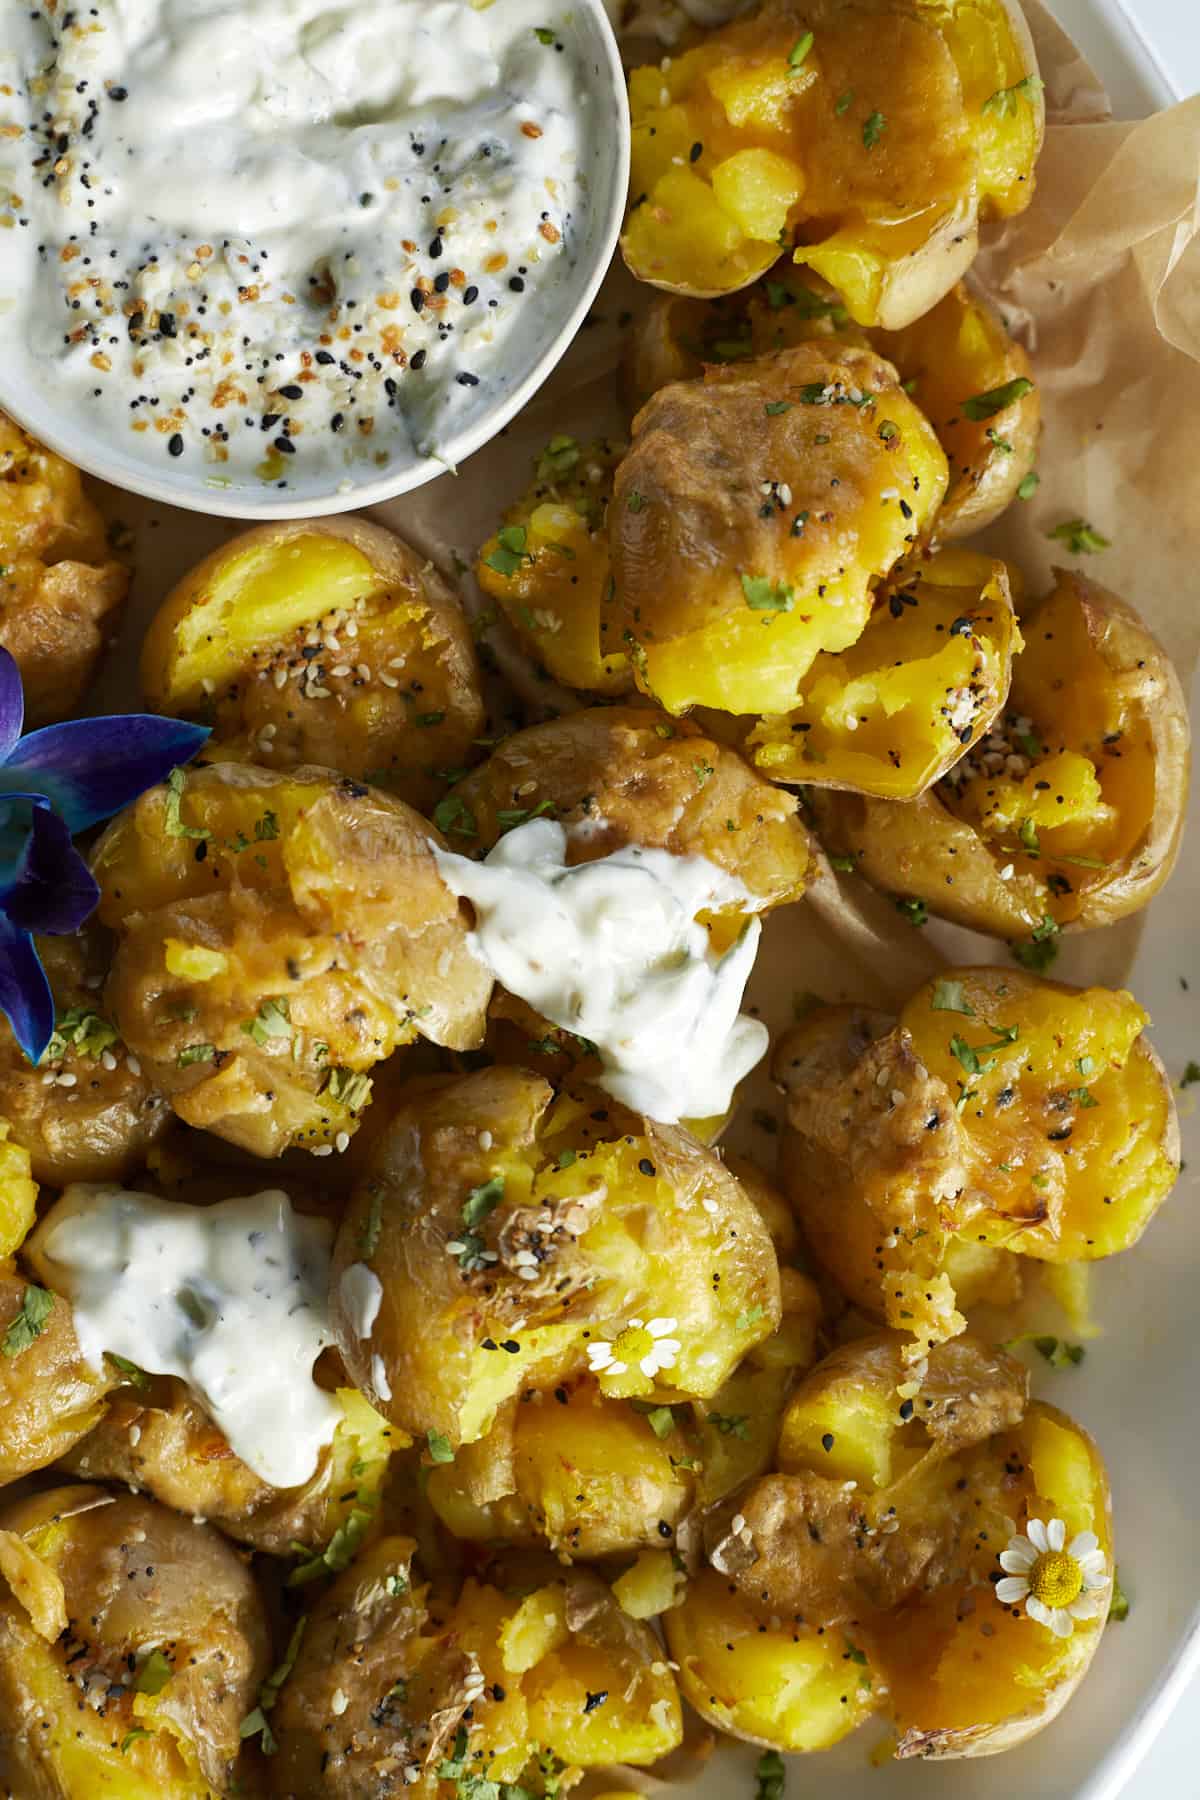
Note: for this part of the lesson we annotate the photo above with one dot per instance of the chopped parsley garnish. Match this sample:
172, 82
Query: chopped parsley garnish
845, 865
948, 996
994, 400
977, 1059
770, 1775
844, 102
774, 408
854, 1654
1004, 101
1119, 1605
479, 1204
873, 129
1030, 841
799, 51
546, 1046
342, 1547
751, 1316
368, 1237
1001, 444
543, 34
35, 1309
510, 551
1029, 744
1029, 486
266, 828
730, 1424
452, 814
153, 1675
268, 1693
1042, 947
1056, 1351
703, 772
172, 817
636, 502
1190, 1075
427, 719
194, 1053
763, 595
661, 1421
440, 1449
1080, 538
135, 1376
131, 1737
349, 1088
272, 1020
888, 431
83, 1030
915, 911
509, 817
558, 458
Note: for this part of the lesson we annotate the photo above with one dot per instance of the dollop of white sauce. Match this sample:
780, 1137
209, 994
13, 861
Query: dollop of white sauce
232, 1299
282, 236
611, 950
362, 1296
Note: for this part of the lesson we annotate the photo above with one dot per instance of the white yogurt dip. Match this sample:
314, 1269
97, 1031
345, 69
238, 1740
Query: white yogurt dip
613, 951
275, 237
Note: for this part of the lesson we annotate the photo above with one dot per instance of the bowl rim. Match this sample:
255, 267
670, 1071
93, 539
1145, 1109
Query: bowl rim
609, 190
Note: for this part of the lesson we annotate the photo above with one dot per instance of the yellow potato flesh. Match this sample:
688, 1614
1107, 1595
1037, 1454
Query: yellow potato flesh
1068, 1125
18, 1193
889, 714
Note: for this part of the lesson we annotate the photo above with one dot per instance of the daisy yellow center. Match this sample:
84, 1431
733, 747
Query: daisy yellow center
632, 1344
1056, 1579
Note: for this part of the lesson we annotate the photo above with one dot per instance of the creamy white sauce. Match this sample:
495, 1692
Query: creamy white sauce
268, 236
611, 950
232, 1299
362, 1296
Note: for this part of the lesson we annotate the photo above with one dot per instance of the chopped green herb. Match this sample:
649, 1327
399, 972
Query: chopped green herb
368, 1237
1004, 101
1030, 842
854, 1654
452, 814
703, 771
194, 1053
509, 817
1056, 1351
948, 996
35, 1308
799, 51
153, 1675
1042, 947
172, 817
873, 129
136, 1377
771, 1776
482, 1201
1029, 744
440, 1450
565, 1159
1118, 1609
83, 1030
341, 1549
977, 1059
915, 911
510, 551
433, 718
349, 1088
543, 34
1083, 1097
558, 458
888, 431
1080, 538
730, 1424
774, 408
844, 102
1027, 488
994, 400
131, 1737
750, 1317
546, 1046
763, 595
1190, 1075
272, 1020
1001, 444
845, 865
661, 1421
636, 502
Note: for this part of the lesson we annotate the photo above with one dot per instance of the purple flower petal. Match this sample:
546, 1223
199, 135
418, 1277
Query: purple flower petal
12, 705
25, 996
90, 768
54, 890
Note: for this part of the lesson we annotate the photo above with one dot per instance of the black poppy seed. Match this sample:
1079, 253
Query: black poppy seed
175, 445
466, 380
285, 444
906, 1409
418, 359
324, 358
292, 392
646, 1166
516, 284
337, 421
436, 247
470, 295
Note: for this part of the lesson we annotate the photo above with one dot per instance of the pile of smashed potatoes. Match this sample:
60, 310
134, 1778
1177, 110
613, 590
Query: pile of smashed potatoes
540, 1551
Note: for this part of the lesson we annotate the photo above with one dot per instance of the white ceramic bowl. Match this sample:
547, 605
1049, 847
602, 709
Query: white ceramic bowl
355, 487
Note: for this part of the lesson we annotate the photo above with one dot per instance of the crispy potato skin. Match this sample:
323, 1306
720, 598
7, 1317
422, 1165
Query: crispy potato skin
49, 1397
255, 888
877, 152
690, 526
553, 589
876, 1544
603, 1202
156, 1438
60, 591
958, 350
321, 641
623, 775
131, 1573
1094, 687
1061, 1145
394, 1679
101, 1126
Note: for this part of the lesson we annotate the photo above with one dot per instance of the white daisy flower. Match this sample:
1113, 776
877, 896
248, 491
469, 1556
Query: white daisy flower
601, 1358
1060, 1583
643, 1344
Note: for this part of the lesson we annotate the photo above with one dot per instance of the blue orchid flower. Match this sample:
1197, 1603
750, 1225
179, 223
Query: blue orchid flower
54, 783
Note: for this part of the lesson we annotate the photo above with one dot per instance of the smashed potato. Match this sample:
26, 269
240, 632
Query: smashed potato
515, 1676
503, 1239
155, 1437
754, 514
88, 1111
971, 379
891, 713
548, 566
60, 590
1070, 811
873, 137
278, 935
132, 1644
49, 1396
998, 1109
861, 1576
326, 641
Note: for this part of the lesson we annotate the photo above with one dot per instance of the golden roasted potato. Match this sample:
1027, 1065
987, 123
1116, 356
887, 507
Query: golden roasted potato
49, 1396
88, 1111
279, 933
969, 377
753, 516
157, 1438
548, 566
618, 775
872, 136
1070, 812
132, 1644
503, 1239
60, 590
891, 713
860, 1576
998, 1110
396, 1683
18, 1193
326, 641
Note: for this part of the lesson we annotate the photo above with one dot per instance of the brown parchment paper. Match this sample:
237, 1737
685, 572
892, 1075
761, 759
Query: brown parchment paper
1101, 280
